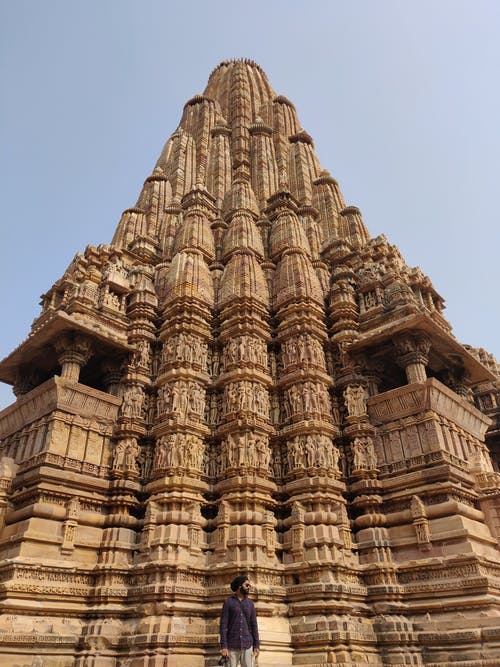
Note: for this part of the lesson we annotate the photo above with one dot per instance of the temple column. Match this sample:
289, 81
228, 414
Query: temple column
73, 352
413, 355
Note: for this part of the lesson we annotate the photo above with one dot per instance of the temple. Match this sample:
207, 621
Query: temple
244, 381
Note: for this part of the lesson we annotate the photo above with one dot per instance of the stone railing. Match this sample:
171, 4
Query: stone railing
422, 461
58, 394
430, 395
65, 463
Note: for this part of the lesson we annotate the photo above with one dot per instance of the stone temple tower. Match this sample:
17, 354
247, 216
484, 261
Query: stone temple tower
245, 381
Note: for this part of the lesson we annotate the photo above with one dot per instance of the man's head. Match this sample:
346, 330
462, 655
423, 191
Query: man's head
240, 584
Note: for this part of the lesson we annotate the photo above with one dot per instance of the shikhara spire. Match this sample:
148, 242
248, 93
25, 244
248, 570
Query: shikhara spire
245, 380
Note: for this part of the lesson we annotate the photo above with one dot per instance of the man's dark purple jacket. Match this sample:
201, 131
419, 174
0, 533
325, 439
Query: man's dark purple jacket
236, 632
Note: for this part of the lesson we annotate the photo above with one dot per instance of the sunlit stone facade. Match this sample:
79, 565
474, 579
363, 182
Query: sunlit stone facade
245, 381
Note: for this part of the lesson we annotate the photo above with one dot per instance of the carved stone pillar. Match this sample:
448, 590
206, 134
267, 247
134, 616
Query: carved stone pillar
73, 352
458, 380
26, 380
413, 351
111, 377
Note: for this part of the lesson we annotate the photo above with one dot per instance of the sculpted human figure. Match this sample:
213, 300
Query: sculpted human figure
310, 451
355, 400
146, 462
231, 351
160, 454
277, 463
253, 394
241, 348
290, 455
203, 356
220, 461
231, 450
213, 408
241, 450
212, 463
192, 399
295, 400
175, 444
127, 403
335, 456
371, 456
189, 349
251, 350
359, 457
251, 450
284, 354
132, 451
232, 397
190, 454
222, 457
144, 354
275, 409
263, 453
200, 400
297, 454
184, 399
179, 347
322, 453
307, 397
119, 455
300, 346
293, 353
176, 396
214, 362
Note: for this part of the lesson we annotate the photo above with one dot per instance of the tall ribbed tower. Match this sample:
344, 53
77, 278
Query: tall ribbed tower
245, 381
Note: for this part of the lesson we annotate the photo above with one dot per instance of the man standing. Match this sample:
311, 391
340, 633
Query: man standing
239, 635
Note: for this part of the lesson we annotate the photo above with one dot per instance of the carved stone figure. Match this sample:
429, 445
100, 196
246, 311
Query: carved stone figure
355, 400
359, 454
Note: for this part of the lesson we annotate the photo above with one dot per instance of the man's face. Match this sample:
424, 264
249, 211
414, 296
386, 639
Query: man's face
245, 587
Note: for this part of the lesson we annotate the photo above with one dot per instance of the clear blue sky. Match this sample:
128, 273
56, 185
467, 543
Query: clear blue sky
400, 96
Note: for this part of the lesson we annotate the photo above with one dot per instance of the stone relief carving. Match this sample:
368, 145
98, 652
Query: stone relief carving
145, 462
179, 450
244, 450
185, 348
312, 451
110, 299
363, 454
303, 349
183, 398
125, 457
244, 348
355, 400
308, 398
277, 468
214, 362
142, 358
133, 402
245, 396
